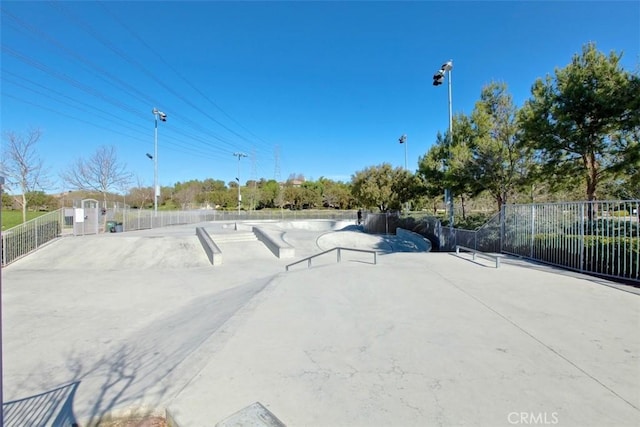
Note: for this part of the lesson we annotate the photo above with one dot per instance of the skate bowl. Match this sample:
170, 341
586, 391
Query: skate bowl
402, 241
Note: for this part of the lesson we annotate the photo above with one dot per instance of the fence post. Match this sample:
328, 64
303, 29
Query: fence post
533, 230
35, 224
503, 224
581, 234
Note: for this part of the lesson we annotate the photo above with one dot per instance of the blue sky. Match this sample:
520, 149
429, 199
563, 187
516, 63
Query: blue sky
322, 89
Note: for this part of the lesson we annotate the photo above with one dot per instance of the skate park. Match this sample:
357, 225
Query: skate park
112, 324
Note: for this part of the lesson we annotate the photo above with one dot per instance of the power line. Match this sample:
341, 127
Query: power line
203, 145
87, 28
195, 88
141, 96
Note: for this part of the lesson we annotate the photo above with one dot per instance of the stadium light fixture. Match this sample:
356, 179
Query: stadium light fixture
156, 189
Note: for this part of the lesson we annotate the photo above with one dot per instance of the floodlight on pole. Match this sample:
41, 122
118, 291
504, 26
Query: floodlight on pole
403, 140
156, 189
239, 155
438, 78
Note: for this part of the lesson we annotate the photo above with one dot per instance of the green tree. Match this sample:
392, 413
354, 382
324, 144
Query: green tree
431, 171
498, 161
186, 194
448, 165
292, 196
374, 187
270, 190
40, 200
459, 173
336, 194
579, 121
7, 201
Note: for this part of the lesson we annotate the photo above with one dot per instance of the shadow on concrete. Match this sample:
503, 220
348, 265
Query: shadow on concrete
156, 360
116, 373
472, 261
51, 408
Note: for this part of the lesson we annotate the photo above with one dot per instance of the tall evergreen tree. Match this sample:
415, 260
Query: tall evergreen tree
580, 120
499, 162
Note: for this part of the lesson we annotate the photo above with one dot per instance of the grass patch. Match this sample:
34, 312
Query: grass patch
13, 218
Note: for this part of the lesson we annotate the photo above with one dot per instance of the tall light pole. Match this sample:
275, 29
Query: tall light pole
239, 155
403, 140
156, 189
438, 77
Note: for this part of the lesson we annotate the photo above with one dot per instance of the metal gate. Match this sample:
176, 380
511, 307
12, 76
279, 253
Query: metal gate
85, 219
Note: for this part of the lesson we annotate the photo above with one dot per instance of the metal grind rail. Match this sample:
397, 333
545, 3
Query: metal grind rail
339, 256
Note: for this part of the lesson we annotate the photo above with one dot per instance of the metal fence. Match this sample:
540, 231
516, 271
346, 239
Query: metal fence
485, 238
137, 219
388, 222
25, 238
601, 238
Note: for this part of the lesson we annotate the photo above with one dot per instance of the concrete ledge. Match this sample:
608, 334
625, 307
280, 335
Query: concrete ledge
274, 241
211, 249
422, 243
254, 415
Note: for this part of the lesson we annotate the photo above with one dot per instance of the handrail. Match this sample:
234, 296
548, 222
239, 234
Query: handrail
339, 256
475, 252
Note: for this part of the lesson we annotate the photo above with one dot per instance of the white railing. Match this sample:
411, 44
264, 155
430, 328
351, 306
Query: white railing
25, 238
28, 237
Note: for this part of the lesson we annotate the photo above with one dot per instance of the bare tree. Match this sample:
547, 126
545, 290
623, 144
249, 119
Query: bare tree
21, 164
102, 172
140, 195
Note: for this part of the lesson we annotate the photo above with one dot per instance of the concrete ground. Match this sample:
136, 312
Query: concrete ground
136, 319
